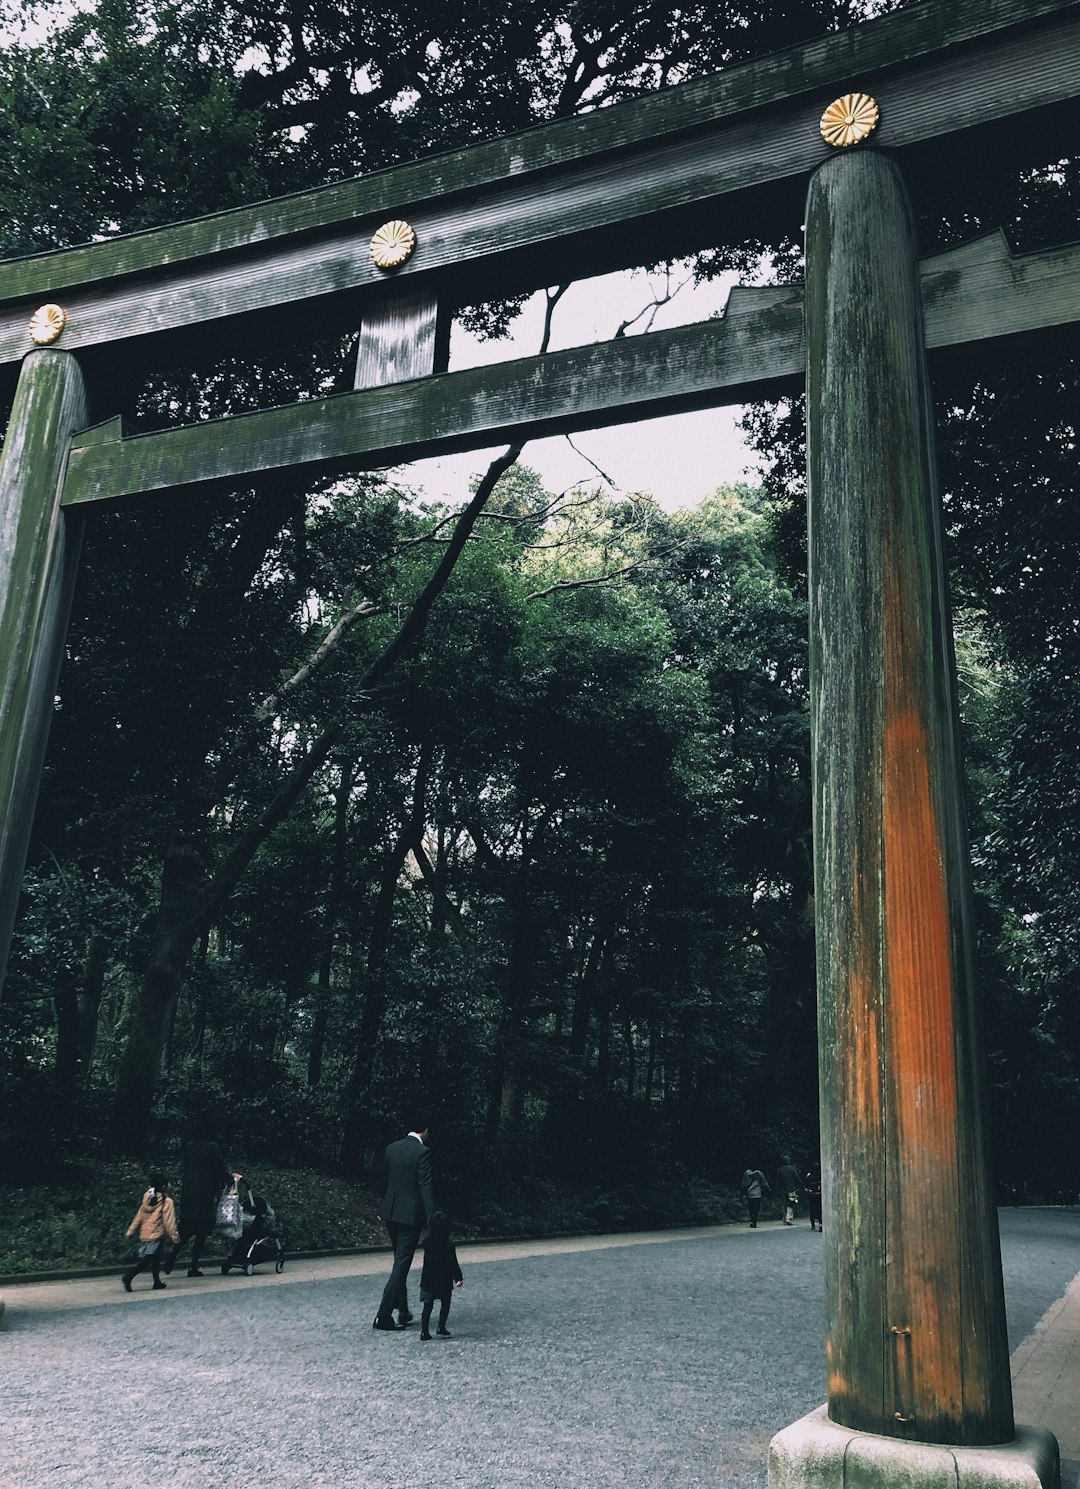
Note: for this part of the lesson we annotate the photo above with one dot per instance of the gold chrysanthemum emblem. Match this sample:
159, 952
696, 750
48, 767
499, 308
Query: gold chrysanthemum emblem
392, 244
850, 119
46, 323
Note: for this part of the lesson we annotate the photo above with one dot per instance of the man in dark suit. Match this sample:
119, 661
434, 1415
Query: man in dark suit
407, 1208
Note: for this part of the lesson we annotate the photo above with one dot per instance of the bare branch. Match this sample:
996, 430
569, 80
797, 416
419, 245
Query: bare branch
653, 308
552, 297
433, 533
566, 584
330, 642
589, 461
559, 504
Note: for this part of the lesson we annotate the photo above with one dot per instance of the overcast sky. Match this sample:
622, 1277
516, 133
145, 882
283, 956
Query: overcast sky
678, 459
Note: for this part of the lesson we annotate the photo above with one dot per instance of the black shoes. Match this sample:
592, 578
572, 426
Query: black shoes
157, 1287
126, 1280
194, 1272
424, 1334
404, 1320
386, 1323
446, 1334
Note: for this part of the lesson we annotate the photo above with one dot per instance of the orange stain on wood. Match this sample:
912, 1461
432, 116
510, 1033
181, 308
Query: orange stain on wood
922, 1075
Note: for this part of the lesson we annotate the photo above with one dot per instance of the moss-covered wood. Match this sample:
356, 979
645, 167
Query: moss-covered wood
916, 1323
982, 292
750, 353
974, 293
39, 552
717, 159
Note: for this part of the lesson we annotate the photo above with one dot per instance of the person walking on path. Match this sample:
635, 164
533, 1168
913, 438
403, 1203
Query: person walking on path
788, 1185
155, 1221
754, 1186
205, 1176
440, 1275
407, 1208
812, 1185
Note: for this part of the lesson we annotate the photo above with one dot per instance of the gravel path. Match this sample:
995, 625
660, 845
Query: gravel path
617, 1366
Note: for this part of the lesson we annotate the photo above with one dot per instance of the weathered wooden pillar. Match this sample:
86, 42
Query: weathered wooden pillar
917, 1345
404, 334
39, 554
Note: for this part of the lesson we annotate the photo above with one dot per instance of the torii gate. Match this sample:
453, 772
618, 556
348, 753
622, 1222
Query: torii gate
918, 1367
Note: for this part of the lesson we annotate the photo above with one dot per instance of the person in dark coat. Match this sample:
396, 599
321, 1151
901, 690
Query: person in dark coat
812, 1185
205, 1176
407, 1208
441, 1274
788, 1185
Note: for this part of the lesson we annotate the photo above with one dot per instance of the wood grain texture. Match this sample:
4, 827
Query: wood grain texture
749, 353
978, 292
908, 36
611, 189
400, 337
982, 291
39, 552
917, 1345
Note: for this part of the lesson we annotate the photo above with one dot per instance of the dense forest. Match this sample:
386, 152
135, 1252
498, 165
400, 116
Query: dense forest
353, 799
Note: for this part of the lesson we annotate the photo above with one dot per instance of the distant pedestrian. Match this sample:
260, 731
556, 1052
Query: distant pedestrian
755, 1187
408, 1206
205, 1176
440, 1275
812, 1185
788, 1185
154, 1224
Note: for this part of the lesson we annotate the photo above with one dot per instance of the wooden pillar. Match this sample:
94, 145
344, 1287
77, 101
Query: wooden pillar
404, 334
916, 1344
39, 554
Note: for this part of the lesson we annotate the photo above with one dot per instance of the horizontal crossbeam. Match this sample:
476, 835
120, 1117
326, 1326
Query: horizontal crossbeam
717, 159
974, 294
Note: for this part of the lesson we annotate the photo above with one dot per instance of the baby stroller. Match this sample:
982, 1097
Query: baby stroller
260, 1241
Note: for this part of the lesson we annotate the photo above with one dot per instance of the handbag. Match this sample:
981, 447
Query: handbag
228, 1220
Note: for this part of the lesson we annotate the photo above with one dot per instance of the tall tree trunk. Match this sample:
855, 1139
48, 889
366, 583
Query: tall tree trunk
508, 1084
88, 998
583, 1001
428, 1060
374, 980
334, 899
66, 1008
173, 935
650, 1066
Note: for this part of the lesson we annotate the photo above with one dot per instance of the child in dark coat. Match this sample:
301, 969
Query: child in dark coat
440, 1276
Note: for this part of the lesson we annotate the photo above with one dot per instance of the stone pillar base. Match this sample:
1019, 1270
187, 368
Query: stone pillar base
816, 1453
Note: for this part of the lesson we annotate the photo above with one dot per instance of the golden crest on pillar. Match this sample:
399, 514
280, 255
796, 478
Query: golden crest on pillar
849, 119
46, 323
392, 244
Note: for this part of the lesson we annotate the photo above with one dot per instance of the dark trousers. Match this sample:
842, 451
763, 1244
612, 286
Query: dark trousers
198, 1232
444, 1312
151, 1264
404, 1239
753, 1205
